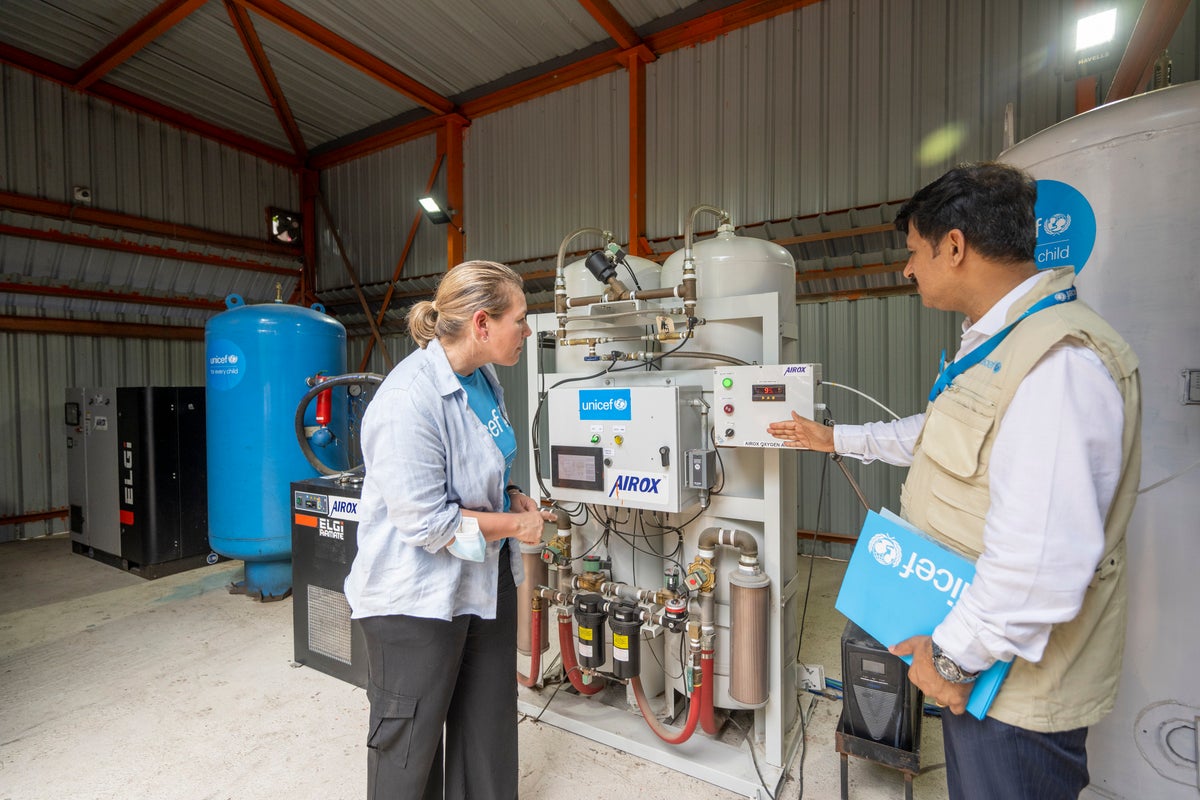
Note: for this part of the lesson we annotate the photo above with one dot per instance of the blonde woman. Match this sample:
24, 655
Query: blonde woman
434, 582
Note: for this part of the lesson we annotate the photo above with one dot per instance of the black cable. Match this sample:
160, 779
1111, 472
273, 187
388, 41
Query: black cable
753, 758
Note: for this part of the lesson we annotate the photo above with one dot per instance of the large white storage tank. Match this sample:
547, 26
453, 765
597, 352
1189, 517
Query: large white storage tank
1137, 163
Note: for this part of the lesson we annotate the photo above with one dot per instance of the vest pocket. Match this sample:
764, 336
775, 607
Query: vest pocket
391, 724
956, 427
957, 511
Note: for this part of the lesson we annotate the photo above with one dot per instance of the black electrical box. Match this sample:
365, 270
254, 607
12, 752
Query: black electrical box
324, 543
879, 703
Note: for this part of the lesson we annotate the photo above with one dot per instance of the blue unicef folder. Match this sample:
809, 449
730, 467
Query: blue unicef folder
899, 583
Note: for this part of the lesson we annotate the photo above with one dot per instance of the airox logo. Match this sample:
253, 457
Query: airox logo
887, 551
605, 404
796, 368
639, 486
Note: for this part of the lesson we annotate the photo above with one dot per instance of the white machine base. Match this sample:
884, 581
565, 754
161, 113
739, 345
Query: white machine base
701, 757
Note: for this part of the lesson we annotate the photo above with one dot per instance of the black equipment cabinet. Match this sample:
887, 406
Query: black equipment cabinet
324, 543
163, 476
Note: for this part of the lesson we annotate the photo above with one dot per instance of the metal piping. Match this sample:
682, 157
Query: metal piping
560, 282
689, 261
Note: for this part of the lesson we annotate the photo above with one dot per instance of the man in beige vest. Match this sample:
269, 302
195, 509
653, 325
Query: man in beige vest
1027, 460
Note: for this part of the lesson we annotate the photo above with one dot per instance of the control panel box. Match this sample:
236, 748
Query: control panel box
624, 446
747, 399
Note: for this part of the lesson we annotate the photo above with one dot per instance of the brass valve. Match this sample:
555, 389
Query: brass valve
701, 575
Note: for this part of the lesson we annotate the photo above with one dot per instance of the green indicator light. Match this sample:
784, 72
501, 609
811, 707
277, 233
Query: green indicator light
727, 382
595, 438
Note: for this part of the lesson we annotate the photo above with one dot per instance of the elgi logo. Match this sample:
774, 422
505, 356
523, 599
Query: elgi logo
127, 473
330, 528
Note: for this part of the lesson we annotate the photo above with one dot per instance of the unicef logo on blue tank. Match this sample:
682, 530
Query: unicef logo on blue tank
1066, 226
885, 549
226, 364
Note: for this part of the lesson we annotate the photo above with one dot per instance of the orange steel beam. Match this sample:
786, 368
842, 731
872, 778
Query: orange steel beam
310, 190
638, 246
110, 297
380, 141
451, 143
826, 235
391, 290
812, 275
100, 243
715, 23
571, 74
146, 30
348, 52
57, 73
613, 23
262, 65
36, 516
1151, 34
857, 294
115, 219
83, 327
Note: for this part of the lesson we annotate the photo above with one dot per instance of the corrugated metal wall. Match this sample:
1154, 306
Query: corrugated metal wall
52, 139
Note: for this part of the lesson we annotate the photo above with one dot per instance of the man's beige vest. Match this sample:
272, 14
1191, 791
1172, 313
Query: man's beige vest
946, 494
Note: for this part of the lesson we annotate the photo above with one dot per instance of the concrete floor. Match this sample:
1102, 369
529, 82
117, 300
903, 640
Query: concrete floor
112, 686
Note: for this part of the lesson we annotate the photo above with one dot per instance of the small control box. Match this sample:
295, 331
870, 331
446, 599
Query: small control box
747, 399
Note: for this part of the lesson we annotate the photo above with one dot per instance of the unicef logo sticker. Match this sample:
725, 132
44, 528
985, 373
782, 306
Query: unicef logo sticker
1066, 226
1057, 224
885, 549
620, 403
226, 364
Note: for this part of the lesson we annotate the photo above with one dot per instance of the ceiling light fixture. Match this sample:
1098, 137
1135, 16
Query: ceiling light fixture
434, 210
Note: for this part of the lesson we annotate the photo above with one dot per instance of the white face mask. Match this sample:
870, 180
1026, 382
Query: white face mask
468, 543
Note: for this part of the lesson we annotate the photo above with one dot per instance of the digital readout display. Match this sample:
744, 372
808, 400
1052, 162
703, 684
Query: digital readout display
768, 391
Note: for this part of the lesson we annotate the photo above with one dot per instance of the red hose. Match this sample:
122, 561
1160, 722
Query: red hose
706, 692
566, 643
535, 649
694, 711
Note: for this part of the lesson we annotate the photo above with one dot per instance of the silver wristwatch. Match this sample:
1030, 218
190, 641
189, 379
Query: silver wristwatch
949, 669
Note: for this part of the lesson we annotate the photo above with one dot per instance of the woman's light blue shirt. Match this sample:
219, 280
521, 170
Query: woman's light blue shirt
427, 456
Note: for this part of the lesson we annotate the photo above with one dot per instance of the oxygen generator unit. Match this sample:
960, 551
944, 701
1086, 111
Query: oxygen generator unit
671, 580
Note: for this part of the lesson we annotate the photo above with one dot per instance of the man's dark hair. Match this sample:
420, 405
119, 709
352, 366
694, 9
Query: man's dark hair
991, 203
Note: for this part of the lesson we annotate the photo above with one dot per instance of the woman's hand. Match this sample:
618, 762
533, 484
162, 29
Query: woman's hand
803, 433
529, 523
522, 502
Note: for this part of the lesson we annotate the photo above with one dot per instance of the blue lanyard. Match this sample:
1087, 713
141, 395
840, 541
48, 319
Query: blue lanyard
948, 372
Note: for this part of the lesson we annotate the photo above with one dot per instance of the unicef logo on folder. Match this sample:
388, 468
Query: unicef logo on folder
885, 549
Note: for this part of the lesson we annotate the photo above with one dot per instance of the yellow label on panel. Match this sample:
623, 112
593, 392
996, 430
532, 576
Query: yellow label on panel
585, 633
621, 640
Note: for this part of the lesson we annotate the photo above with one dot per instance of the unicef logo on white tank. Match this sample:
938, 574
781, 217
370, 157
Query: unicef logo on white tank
1056, 224
226, 364
885, 549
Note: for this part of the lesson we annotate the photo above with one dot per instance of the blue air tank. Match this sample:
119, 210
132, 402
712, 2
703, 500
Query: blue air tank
259, 358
